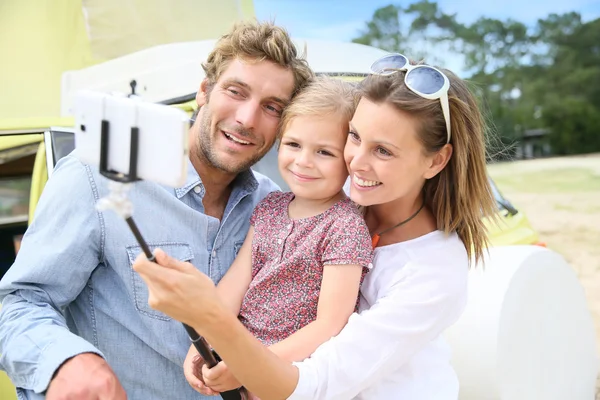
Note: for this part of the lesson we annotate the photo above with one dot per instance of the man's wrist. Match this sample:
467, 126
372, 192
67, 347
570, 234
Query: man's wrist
70, 359
56, 355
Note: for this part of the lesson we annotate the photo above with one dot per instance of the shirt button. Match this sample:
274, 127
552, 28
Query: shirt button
197, 189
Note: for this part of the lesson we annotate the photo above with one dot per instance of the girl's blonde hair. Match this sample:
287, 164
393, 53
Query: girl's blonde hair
460, 195
322, 97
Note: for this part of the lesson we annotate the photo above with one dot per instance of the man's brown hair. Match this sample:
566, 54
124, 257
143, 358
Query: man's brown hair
254, 42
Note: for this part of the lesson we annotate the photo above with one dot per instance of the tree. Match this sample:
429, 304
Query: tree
541, 76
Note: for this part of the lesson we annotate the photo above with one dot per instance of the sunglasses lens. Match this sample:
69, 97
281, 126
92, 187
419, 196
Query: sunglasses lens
389, 64
425, 80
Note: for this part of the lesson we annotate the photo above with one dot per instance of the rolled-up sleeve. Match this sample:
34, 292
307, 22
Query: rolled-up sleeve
59, 252
376, 342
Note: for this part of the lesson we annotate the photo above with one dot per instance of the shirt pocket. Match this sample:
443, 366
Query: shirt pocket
180, 251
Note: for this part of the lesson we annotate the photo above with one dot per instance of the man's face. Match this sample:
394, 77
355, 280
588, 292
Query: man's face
240, 114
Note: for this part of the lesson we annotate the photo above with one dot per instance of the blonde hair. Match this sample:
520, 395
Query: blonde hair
460, 195
257, 41
322, 97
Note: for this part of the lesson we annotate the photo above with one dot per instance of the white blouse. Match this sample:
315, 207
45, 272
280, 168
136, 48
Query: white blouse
393, 349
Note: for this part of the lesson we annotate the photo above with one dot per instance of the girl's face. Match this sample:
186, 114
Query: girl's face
311, 156
385, 160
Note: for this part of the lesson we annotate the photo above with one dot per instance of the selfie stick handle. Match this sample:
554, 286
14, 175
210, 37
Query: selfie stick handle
119, 202
211, 358
202, 346
139, 238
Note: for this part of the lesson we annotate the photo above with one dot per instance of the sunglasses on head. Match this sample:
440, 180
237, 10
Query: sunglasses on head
424, 80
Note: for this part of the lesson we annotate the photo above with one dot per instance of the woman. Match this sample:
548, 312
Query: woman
416, 157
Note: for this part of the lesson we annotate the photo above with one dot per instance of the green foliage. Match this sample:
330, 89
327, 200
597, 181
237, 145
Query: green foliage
575, 126
528, 77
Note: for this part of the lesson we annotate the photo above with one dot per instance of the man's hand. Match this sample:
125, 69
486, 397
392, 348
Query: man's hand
192, 369
87, 377
219, 378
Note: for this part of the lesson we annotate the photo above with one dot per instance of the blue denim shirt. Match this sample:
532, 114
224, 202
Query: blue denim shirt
72, 288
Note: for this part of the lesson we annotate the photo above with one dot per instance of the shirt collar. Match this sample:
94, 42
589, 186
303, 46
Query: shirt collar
244, 181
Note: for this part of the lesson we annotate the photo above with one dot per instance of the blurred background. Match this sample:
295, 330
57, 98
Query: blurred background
534, 65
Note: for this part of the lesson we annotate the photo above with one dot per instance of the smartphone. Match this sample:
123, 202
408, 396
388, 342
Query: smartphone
162, 155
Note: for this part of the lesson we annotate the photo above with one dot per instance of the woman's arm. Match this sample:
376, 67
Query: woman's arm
337, 301
233, 286
420, 306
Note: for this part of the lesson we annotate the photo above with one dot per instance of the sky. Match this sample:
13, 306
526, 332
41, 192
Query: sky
345, 19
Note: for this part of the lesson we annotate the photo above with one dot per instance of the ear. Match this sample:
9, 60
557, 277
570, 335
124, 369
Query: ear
439, 161
202, 94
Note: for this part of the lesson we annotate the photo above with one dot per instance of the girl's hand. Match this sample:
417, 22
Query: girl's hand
219, 378
177, 288
192, 369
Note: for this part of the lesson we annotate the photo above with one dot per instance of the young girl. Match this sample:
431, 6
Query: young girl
296, 278
416, 152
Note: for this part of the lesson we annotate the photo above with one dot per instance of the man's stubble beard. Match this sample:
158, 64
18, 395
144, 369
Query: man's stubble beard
205, 148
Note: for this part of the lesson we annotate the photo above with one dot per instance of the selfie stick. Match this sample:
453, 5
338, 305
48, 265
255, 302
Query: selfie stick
118, 201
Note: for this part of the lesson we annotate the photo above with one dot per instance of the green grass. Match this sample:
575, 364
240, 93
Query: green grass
563, 180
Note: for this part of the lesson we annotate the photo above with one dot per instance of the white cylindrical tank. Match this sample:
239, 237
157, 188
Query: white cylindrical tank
527, 333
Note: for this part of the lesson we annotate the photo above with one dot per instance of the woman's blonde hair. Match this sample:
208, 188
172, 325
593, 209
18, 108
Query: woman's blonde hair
460, 195
322, 97
257, 41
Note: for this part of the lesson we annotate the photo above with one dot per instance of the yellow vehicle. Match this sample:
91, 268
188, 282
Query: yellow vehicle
513, 227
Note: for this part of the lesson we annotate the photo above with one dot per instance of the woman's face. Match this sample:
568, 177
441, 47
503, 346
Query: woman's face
385, 160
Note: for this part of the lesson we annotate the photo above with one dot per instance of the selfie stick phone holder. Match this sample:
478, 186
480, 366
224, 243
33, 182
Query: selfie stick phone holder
118, 201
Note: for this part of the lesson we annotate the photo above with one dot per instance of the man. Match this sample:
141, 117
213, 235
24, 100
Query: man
75, 322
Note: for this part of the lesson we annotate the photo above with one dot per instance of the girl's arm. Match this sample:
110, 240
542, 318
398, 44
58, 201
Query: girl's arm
337, 301
233, 286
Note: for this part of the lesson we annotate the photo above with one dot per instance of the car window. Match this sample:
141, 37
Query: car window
268, 166
59, 142
501, 202
14, 199
17, 158
62, 144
